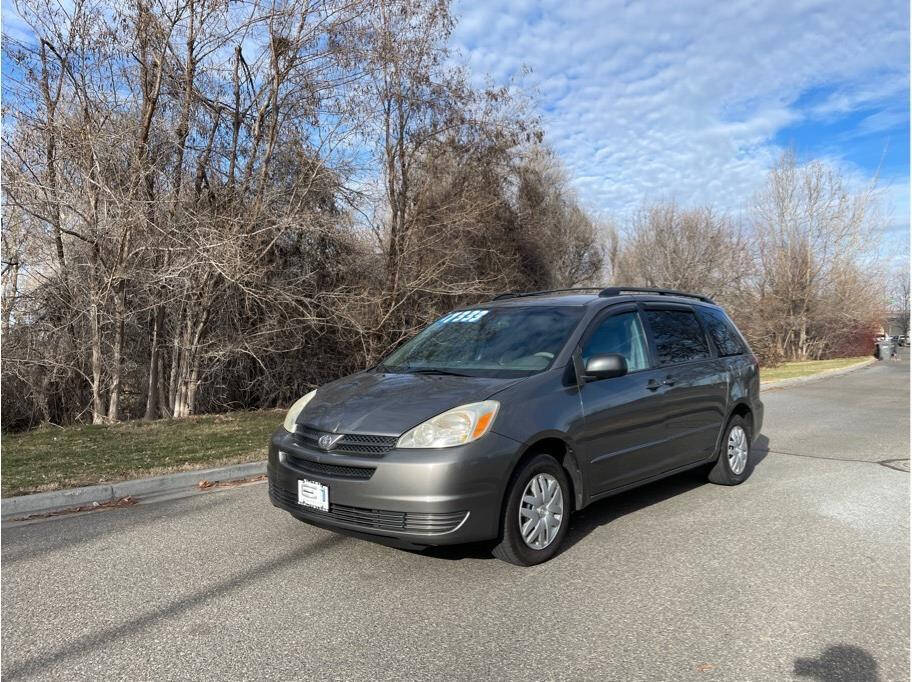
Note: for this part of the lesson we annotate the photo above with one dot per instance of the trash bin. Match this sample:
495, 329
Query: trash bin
882, 350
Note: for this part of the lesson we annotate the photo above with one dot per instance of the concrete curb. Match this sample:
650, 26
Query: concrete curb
781, 383
55, 500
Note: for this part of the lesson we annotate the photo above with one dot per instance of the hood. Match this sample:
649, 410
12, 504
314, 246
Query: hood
391, 404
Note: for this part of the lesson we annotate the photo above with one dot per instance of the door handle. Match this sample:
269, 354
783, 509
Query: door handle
653, 385
669, 381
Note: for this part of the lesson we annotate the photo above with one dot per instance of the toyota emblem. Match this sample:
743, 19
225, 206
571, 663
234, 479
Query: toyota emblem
328, 440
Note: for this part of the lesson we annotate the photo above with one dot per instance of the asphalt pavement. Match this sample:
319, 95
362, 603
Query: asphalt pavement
802, 572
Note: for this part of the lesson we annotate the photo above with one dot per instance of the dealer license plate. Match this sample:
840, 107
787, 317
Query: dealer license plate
313, 494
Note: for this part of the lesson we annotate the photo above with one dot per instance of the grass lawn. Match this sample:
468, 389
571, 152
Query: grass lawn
50, 457
791, 370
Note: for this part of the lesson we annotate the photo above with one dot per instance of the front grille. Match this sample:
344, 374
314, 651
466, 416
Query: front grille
365, 445
332, 470
373, 519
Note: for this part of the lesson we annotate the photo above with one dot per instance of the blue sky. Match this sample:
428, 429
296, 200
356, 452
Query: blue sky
693, 101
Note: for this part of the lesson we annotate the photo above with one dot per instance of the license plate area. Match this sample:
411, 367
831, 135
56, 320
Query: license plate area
313, 494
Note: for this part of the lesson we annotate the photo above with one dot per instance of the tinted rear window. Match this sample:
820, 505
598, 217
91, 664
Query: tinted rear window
722, 332
678, 336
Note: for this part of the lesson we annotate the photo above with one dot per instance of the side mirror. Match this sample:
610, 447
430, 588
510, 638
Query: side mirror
605, 366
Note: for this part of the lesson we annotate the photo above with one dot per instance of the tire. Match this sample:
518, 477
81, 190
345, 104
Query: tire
734, 469
512, 548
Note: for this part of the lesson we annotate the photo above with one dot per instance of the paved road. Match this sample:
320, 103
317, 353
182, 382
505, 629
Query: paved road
802, 572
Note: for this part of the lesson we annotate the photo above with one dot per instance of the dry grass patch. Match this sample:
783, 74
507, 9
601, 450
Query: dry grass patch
51, 457
792, 370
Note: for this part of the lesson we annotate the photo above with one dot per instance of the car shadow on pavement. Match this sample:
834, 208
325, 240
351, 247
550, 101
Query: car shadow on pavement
838, 663
611, 508
607, 510
759, 450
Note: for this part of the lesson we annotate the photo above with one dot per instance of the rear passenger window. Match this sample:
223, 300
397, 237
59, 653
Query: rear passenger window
678, 336
722, 332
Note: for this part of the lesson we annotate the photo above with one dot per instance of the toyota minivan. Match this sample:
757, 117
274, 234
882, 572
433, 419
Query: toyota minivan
499, 420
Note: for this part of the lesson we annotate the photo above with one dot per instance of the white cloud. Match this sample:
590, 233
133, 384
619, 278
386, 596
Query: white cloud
888, 86
662, 99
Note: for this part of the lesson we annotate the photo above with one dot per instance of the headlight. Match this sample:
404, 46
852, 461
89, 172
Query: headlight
454, 427
292, 417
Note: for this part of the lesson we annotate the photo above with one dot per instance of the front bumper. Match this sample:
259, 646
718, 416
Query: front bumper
420, 497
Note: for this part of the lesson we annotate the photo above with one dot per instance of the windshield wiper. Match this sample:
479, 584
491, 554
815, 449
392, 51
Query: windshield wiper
436, 370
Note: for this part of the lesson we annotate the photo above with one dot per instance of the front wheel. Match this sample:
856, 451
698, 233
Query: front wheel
536, 514
733, 465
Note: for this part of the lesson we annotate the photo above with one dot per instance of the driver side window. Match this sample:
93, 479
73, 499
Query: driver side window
621, 334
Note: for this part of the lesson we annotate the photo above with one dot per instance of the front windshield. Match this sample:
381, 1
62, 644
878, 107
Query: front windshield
488, 342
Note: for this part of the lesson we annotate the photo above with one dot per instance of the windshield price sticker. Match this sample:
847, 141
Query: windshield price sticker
463, 316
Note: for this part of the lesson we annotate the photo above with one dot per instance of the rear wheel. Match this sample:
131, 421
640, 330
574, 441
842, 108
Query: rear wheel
536, 514
733, 464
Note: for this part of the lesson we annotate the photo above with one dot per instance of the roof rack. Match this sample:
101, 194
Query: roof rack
523, 294
620, 291
605, 292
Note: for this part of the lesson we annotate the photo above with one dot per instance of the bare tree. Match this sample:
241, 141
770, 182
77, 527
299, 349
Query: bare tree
189, 185
566, 241
12, 244
818, 273
687, 249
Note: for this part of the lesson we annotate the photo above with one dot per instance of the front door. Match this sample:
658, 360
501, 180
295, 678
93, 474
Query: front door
623, 417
